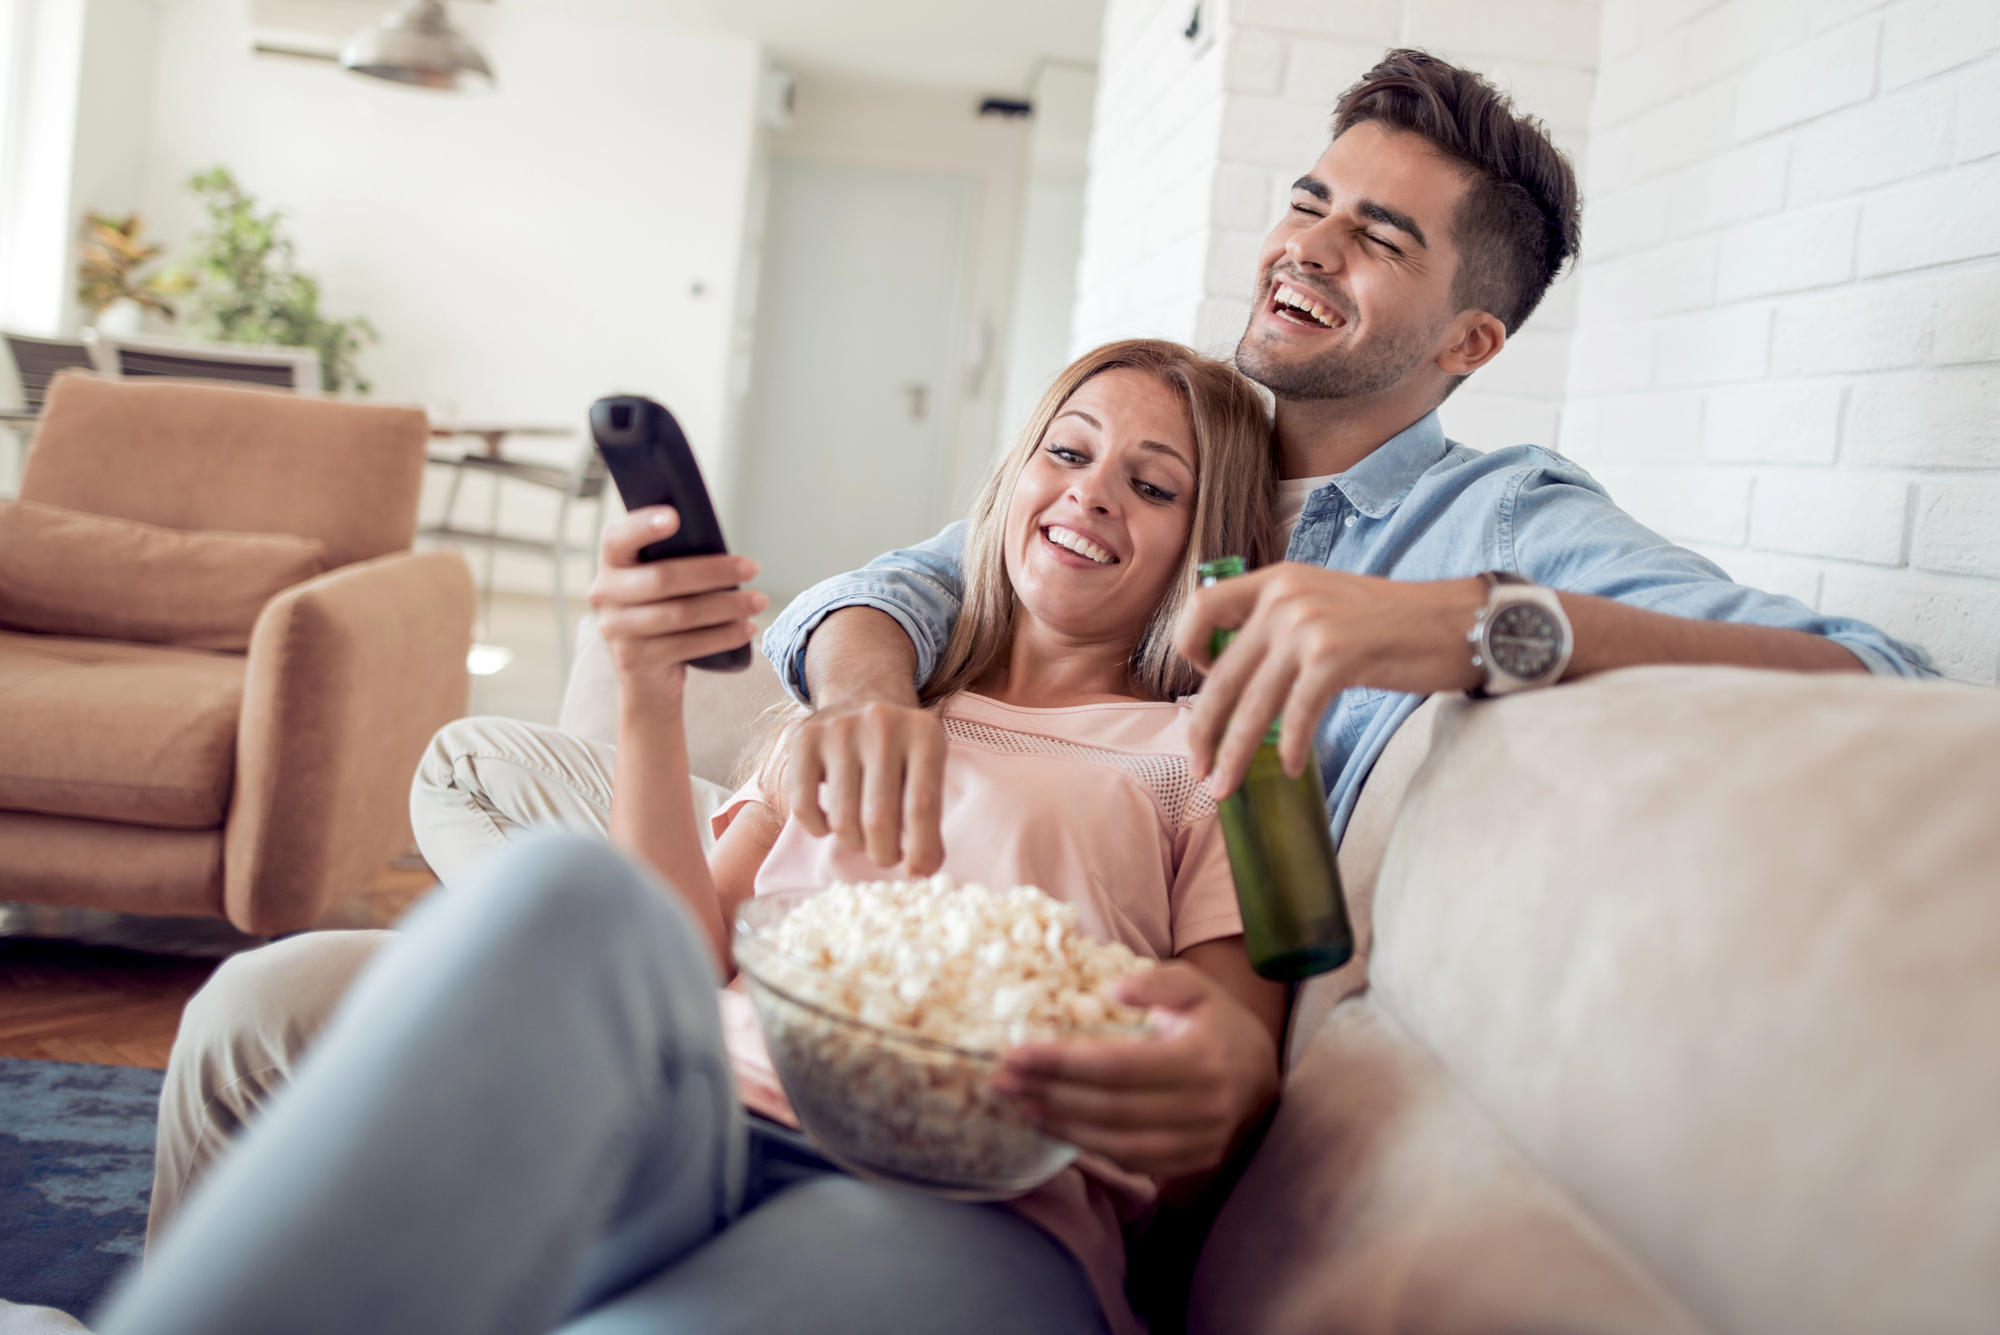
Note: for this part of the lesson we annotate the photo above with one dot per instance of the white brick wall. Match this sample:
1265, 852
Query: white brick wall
1192, 159
1788, 347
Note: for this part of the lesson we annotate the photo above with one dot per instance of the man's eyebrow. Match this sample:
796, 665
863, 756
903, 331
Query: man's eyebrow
1367, 208
1402, 222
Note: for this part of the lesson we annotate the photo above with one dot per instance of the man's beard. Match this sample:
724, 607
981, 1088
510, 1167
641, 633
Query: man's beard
1338, 373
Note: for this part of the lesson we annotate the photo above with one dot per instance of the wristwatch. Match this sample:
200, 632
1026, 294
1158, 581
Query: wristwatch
1522, 638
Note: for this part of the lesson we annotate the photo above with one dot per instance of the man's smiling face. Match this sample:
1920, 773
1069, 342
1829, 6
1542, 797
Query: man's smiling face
1354, 284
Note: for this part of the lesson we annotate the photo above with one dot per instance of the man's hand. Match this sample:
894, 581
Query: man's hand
880, 757
1303, 636
1307, 634
1170, 1106
658, 616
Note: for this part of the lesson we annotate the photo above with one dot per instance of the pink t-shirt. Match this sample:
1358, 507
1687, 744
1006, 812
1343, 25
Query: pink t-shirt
1096, 805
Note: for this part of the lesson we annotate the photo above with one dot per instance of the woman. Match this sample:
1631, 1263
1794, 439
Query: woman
522, 1118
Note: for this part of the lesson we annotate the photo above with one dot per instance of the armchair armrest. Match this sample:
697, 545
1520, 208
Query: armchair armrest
349, 675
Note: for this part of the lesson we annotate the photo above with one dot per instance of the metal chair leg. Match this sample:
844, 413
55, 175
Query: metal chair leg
560, 559
486, 592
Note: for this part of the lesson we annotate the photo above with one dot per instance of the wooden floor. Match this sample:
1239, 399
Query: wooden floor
65, 1002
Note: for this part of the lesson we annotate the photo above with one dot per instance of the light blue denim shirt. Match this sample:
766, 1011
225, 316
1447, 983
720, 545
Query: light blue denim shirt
1420, 507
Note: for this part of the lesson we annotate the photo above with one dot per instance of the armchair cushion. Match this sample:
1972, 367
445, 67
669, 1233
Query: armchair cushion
220, 459
64, 572
138, 733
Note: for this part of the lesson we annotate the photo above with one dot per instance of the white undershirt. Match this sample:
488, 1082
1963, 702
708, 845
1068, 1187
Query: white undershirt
1292, 493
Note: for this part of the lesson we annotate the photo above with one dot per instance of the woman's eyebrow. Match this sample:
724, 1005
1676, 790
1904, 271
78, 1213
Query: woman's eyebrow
1078, 412
1166, 449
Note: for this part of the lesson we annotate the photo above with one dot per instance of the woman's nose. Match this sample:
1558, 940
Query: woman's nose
1087, 491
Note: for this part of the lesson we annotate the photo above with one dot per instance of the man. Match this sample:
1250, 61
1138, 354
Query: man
1425, 235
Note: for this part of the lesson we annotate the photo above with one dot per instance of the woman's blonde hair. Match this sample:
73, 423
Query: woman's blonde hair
1236, 482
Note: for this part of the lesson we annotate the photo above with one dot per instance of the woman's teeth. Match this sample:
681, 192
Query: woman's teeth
1077, 543
1299, 301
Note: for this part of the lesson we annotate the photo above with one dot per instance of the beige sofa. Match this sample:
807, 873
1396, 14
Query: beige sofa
1679, 1011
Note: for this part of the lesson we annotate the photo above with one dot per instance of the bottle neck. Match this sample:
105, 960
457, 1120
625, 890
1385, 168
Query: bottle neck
1219, 641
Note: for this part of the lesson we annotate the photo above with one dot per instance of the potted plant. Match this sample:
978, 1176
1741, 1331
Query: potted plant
247, 288
109, 281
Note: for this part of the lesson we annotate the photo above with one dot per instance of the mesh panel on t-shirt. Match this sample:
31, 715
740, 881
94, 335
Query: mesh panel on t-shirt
1183, 798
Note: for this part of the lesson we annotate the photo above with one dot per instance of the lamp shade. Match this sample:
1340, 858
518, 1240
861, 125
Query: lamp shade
418, 45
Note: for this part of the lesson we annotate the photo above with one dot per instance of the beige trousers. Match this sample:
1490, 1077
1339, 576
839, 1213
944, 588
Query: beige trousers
482, 782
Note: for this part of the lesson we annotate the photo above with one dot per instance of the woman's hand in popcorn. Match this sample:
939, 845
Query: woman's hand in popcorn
878, 767
1171, 1106
658, 616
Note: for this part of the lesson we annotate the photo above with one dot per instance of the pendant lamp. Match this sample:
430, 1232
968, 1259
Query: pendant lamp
418, 45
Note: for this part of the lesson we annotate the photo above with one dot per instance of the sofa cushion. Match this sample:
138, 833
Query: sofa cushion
1382, 1202
63, 572
1720, 951
140, 733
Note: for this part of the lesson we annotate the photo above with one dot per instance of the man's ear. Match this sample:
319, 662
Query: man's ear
1479, 338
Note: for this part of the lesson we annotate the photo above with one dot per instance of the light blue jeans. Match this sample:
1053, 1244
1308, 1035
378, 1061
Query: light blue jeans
522, 1119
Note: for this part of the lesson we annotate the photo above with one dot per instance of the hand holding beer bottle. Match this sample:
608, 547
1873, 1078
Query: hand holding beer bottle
1281, 853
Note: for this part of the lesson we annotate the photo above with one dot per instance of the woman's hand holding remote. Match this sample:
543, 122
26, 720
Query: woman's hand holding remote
658, 616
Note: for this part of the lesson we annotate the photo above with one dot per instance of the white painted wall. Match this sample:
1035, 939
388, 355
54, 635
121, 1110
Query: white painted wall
520, 253
1788, 346
41, 70
114, 103
872, 124
1194, 152
1038, 334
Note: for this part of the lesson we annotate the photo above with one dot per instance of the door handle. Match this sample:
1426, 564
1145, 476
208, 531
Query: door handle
920, 397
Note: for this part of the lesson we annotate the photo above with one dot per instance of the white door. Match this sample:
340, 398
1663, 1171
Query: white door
853, 407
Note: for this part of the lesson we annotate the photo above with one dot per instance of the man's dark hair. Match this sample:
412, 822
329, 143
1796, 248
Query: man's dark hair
1518, 224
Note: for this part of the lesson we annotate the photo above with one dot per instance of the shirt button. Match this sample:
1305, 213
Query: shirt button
1350, 521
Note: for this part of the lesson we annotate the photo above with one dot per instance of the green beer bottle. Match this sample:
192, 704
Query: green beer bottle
1281, 853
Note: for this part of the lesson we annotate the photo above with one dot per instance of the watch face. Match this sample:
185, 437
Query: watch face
1524, 640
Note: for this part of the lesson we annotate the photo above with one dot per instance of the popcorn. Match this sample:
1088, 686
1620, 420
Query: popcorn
911, 990
930, 956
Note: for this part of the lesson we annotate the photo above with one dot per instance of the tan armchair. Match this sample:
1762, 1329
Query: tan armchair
260, 786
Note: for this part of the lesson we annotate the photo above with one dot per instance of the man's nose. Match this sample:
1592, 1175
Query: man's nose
1317, 247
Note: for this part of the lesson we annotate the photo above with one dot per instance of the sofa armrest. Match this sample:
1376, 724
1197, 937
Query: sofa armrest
349, 675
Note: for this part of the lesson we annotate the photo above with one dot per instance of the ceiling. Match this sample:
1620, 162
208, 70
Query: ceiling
987, 46
990, 46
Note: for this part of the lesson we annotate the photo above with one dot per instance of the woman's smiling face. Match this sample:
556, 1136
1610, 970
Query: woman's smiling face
1100, 516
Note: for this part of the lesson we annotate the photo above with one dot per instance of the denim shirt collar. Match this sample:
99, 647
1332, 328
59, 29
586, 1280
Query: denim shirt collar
1378, 484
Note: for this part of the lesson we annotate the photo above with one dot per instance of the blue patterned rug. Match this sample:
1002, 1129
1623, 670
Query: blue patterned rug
76, 1169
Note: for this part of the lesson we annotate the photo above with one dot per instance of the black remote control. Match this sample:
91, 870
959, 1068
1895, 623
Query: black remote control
648, 456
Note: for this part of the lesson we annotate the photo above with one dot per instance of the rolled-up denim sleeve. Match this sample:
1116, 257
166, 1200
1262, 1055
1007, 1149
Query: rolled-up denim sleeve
921, 587
1560, 528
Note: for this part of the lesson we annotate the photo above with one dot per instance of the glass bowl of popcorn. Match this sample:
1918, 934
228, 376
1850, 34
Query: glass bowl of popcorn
886, 1008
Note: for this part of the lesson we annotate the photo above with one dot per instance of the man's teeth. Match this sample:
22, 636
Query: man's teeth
1300, 301
1077, 543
